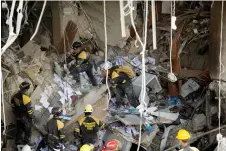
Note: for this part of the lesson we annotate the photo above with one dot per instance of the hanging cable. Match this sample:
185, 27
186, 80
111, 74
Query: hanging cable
153, 24
3, 105
171, 76
39, 21
106, 51
219, 135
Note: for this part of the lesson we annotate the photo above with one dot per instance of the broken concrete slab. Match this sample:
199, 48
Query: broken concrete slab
5, 74
130, 119
31, 48
198, 122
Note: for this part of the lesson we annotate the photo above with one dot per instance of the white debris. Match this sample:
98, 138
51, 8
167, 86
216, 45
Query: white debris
189, 87
38, 107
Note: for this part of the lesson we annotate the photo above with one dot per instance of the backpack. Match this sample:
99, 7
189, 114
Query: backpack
127, 70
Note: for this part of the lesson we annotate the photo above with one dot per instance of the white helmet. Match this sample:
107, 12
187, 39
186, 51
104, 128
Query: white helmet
26, 148
105, 66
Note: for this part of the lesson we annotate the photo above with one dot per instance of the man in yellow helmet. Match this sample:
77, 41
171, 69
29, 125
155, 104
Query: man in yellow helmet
87, 127
121, 83
55, 129
87, 147
22, 109
82, 63
183, 136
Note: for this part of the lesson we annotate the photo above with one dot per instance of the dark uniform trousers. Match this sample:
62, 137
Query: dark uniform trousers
86, 67
24, 126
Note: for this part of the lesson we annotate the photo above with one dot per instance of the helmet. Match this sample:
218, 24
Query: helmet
105, 66
82, 55
88, 108
26, 148
183, 135
111, 145
114, 75
25, 85
76, 44
87, 147
57, 111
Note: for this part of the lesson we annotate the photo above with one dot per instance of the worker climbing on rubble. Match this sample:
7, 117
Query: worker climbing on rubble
87, 147
120, 78
23, 110
82, 63
55, 129
112, 145
183, 136
87, 127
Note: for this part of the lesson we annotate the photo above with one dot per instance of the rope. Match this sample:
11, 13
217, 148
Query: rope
3, 105
171, 76
220, 63
106, 52
39, 21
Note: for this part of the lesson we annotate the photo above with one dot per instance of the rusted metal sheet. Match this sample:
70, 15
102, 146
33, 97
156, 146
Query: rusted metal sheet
68, 37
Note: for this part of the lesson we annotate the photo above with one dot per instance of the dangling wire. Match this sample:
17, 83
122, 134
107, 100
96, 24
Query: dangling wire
219, 135
39, 20
220, 65
171, 76
106, 51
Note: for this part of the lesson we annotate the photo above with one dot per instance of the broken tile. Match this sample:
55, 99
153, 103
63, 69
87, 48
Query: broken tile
189, 87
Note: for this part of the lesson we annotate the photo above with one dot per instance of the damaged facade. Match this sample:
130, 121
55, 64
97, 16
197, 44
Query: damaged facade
190, 103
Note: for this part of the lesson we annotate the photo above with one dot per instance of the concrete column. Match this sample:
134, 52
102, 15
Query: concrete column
215, 29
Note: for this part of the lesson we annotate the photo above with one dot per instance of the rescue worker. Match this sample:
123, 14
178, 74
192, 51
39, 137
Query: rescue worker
183, 136
22, 109
121, 83
55, 129
87, 147
87, 127
82, 63
112, 145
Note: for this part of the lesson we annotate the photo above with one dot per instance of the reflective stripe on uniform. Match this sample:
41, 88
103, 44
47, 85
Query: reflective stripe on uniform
62, 136
124, 81
30, 111
77, 130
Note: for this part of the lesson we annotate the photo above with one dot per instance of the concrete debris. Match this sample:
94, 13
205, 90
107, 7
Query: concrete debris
130, 119
165, 137
198, 122
189, 87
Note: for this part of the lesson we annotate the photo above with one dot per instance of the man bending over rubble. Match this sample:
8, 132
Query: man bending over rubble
82, 63
121, 83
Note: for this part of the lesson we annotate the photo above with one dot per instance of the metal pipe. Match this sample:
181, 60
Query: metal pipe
153, 24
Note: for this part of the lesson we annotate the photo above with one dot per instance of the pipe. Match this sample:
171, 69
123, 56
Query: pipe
39, 20
122, 18
153, 24
206, 133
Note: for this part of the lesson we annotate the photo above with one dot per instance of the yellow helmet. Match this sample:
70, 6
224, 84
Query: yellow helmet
183, 135
82, 55
114, 75
88, 108
86, 147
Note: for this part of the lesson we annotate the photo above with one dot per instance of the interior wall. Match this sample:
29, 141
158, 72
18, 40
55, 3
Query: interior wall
215, 30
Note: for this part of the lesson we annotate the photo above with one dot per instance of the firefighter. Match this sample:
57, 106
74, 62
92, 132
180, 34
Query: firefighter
121, 83
87, 127
112, 145
55, 129
82, 63
183, 136
22, 109
87, 147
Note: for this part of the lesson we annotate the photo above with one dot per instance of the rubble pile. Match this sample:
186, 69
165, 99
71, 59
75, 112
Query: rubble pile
189, 103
